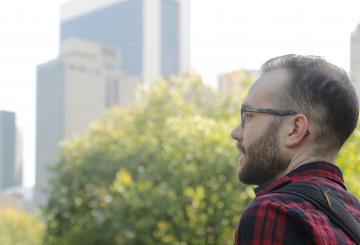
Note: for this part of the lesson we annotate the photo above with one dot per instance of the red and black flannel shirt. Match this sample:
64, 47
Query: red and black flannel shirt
277, 218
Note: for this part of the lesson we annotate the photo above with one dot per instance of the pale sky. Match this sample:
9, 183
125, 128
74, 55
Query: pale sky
225, 35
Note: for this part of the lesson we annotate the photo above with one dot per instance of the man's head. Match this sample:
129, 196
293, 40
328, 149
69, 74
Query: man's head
313, 111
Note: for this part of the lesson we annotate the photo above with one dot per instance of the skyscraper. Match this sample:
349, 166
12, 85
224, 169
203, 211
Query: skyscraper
7, 150
107, 48
153, 35
73, 91
355, 58
19, 158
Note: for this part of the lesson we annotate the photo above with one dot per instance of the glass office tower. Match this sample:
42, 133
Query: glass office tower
153, 35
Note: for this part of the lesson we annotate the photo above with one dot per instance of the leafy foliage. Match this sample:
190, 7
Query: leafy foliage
349, 162
18, 228
161, 172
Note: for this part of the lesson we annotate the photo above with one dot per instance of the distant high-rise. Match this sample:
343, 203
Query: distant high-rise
355, 58
73, 91
107, 48
19, 158
7, 150
153, 35
236, 82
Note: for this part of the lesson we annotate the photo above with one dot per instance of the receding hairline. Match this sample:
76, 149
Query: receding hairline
278, 95
320, 74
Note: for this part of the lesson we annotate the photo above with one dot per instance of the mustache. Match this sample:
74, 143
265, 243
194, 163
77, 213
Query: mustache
241, 147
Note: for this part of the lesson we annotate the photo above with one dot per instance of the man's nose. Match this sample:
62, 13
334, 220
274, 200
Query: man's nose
237, 133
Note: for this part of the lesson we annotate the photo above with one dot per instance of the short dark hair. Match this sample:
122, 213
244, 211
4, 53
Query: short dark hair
323, 92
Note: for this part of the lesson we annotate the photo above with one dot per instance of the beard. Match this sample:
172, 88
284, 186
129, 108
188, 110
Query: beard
262, 161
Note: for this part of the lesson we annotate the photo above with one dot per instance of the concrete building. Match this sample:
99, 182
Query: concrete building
19, 158
237, 81
355, 58
73, 91
11, 201
106, 48
18, 198
7, 150
153, 35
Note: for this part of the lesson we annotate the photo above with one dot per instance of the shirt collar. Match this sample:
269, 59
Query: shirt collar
304, 172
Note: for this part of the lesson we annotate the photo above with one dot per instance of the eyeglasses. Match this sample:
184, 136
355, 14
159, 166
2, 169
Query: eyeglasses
275, 112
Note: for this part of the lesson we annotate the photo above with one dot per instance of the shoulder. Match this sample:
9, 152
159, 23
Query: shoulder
275, 205
276, 217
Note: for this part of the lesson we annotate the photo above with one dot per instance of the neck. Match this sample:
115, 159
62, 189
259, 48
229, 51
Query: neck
301, 159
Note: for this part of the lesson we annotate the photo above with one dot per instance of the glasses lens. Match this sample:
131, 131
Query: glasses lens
242, 115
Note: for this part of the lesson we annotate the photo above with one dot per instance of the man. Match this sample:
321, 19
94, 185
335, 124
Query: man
294, 120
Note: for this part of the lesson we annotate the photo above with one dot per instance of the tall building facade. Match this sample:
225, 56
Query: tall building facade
107, 47
73, 91
355, 58
153, 35
7, 150
19, 160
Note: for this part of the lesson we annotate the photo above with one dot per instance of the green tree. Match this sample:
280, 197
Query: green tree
349, 162
19, 228
161, 172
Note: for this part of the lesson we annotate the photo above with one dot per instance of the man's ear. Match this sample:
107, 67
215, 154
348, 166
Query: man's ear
297, 129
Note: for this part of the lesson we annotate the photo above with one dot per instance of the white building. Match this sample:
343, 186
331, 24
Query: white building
73, 91
8, 169
355, 58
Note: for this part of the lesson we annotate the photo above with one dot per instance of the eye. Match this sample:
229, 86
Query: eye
246, 116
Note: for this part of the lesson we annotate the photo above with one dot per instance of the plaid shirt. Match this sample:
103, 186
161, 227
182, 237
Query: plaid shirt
277, 218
